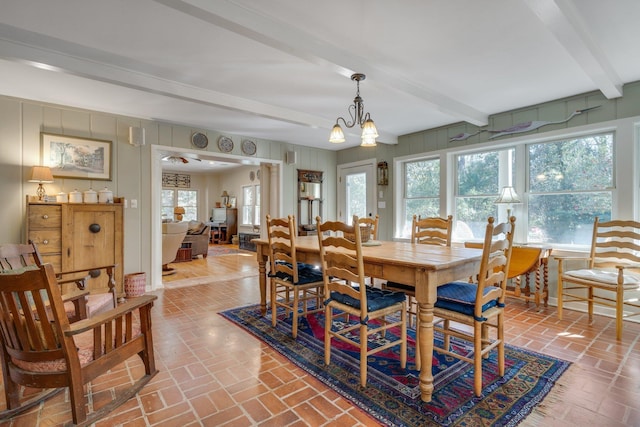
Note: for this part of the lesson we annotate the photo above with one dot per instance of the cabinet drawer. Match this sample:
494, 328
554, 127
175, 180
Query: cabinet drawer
45, 216
54, 260
47, 241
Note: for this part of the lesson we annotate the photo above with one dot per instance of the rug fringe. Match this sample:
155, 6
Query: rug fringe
547, 410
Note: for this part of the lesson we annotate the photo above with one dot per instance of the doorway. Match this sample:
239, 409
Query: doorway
356, 190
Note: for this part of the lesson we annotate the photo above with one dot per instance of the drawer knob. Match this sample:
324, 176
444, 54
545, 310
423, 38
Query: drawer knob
94, 228
45, 216
45, 242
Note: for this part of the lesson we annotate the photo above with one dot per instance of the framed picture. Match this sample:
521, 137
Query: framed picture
232, 201
75, 157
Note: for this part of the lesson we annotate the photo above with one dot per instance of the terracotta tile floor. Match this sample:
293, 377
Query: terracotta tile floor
213, 373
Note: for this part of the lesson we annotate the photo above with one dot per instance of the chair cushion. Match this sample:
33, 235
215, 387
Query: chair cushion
377, 299
461, 298
307, 273
606, 276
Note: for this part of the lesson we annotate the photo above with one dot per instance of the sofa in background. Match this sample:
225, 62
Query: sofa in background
198, 235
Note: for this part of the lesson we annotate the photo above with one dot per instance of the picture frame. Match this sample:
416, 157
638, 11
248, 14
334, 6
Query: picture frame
76, 157
232, 202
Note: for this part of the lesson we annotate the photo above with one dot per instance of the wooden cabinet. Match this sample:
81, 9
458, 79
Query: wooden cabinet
75, 236
225, 222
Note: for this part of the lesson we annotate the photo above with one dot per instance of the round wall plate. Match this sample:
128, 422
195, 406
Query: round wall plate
248, 147
225, 144
199, 140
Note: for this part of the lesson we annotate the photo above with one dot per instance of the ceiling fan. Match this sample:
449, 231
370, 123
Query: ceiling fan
178, 159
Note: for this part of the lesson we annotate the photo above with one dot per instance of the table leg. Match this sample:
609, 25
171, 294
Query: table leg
425, 311
262, 277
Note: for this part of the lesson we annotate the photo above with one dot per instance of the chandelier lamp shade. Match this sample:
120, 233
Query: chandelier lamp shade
508, 197
41, 174
357, 117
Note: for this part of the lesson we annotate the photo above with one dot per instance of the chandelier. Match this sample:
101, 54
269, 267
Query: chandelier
358, 117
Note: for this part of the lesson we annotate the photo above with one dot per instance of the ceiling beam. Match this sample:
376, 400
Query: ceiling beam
565, 22
286, 38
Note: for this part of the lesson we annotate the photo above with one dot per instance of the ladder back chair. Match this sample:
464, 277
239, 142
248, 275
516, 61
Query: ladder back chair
288, 276
479, 305
79, 303
424, 231
347, 294
613, 267
42, 350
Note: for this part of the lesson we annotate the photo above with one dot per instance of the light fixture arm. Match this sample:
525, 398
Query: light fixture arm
357, 116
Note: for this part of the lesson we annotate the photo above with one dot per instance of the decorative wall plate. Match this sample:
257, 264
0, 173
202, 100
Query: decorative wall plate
199, 140
248, 147
225, 144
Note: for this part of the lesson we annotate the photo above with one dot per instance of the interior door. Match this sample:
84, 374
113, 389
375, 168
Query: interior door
356, 191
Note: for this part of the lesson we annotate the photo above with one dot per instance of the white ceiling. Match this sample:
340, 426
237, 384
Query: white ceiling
280, 69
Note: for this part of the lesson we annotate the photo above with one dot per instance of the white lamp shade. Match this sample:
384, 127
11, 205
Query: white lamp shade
508, 195
337, 136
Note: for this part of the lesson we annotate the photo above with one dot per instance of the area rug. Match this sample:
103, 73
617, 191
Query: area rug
392, 395
221, 250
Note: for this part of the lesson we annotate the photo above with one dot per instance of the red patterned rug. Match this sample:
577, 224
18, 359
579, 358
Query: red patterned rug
392, 395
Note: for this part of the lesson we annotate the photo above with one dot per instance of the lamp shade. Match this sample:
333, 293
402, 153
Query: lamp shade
337, 136
41, 174
178, 210
225, 194
508, 195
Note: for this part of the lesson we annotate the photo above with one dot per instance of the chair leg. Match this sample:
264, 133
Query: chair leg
363, 354
328, 315
500, 321
477, 358
403, 337
274, 308
590, 303
76, 396
447, 338
418, 358
296, 301
619, 311
560, 297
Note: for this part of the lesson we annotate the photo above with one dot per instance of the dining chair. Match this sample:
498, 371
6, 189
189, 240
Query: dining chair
365, 307
288, 276
478, 305
613, 266
41, 349
424, 231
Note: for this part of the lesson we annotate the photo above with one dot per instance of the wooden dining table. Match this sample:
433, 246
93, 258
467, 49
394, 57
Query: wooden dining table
426, 266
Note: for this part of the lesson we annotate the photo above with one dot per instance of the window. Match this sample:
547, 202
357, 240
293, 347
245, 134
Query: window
251, 205
570, 182
480, 176
421, 192
188, 199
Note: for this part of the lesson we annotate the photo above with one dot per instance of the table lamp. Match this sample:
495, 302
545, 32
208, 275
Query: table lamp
41, 174
508, 197
178, 211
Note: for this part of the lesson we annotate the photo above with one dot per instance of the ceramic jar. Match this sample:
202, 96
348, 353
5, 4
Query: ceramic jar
90, 196
75, 196
105, 196
62, 198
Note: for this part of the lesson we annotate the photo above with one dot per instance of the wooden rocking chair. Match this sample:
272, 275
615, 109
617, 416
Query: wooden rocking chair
41, 349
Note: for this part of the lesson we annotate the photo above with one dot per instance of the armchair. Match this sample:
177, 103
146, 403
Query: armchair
198, 235
172, 237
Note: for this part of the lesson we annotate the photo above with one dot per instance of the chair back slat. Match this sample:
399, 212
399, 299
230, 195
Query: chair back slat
432, 230
31, 319
615, 242
15, 256
494, 266
282, 245
342, 260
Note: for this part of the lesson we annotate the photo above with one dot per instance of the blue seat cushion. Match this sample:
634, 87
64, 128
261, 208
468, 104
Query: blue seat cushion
307, 273
376, 298
461, 298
